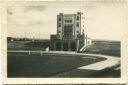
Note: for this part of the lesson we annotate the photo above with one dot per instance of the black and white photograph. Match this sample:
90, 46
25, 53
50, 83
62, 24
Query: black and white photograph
80, 39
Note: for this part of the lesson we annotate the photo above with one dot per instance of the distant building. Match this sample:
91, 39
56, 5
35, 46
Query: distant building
10, 39
70, 33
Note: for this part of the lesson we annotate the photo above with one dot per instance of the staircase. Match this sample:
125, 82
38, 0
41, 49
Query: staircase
84, 48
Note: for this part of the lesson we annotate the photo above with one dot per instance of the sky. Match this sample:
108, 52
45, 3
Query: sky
103, 20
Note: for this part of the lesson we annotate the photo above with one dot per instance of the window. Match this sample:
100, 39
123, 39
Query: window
68, 30
77, 31
59, 24
77, 18
68, 21
77, 25
59, 18
59, 31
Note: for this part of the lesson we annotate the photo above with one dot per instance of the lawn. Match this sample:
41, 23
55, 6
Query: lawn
105, 48
47, 65
28, 45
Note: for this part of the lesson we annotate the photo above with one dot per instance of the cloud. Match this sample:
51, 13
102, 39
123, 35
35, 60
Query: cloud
36, 8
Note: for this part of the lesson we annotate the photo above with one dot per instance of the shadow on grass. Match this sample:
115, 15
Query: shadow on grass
109, 72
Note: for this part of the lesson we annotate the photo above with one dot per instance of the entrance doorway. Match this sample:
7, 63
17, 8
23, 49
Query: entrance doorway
58, 46
65, 46
73, 46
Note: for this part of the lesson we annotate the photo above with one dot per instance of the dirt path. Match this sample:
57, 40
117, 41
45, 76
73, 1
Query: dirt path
91, 70
109, 62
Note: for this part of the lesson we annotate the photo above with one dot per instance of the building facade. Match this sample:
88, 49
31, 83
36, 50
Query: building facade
70, 33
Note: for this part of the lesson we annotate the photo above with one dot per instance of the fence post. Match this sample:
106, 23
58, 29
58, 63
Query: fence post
29, 52
41, 53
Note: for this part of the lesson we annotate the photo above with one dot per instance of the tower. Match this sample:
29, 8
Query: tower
69, 26
69, 35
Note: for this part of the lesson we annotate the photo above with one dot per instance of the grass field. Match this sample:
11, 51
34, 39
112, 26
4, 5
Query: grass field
58, 65
104, 47
28, 45
97, 47
47, 65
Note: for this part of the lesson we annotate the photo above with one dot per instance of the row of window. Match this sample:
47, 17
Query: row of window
67, 36
77, 24
77, 18
76, 31
68, 30
71, 36
68, 21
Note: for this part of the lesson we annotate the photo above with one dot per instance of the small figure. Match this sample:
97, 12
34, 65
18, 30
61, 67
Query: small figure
47, 49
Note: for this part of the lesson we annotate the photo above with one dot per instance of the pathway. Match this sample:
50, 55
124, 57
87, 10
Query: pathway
109, 62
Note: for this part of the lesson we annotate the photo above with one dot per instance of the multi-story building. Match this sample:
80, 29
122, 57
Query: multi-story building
70, 33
